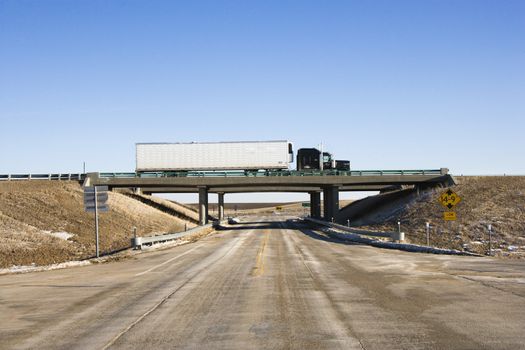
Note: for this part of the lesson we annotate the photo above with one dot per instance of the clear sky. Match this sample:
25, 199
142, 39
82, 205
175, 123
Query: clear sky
386, 84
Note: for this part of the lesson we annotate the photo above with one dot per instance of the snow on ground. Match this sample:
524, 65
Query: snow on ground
62, 235
34, 268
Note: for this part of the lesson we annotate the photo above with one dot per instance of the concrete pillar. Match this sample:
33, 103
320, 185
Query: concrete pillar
220, 208
315, 204
331, 202
203, 205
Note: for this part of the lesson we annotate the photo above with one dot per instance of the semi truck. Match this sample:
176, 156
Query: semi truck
211, 156
310, 159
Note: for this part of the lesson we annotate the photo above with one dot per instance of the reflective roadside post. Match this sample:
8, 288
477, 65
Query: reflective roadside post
428, 233
490, 239
96, 222
399, 225
348, 223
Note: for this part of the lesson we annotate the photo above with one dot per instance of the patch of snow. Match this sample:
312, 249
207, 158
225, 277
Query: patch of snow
59, 234
33, 268
62, 235
173, 243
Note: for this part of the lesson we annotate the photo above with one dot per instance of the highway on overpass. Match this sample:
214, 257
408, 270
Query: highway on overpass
269, 285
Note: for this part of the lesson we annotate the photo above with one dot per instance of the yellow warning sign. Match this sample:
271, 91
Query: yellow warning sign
449, 199
449, 215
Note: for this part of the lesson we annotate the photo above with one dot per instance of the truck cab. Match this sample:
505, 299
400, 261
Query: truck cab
309, 159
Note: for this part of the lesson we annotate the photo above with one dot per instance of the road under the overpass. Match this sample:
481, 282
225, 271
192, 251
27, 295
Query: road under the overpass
269, 284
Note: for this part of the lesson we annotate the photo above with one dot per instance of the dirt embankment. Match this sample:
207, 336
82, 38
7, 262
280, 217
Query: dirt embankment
43, 222
495, 200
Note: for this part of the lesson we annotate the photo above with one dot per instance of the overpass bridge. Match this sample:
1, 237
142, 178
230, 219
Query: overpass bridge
330, 183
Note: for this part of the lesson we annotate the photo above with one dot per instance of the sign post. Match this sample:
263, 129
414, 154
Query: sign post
95, 201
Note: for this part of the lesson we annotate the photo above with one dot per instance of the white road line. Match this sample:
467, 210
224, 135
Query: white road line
165, 262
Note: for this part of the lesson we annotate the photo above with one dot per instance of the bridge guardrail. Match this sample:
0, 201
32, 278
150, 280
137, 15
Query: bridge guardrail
138, 242
127, 175
51, 177
351, 230
429, 172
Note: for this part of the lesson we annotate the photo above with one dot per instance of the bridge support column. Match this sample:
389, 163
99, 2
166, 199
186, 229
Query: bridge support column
315, 205
203, 205
331, 202
221, 206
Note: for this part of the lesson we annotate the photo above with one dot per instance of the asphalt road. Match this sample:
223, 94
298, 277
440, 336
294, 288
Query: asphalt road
269, 285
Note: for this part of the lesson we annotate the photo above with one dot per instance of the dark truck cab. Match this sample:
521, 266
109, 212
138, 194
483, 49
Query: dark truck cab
309, 159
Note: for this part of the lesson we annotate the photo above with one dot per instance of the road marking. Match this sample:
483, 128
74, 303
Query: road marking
165, 262
259, 262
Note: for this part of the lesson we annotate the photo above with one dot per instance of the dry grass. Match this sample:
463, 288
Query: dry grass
31, 210
495, 200
175, 206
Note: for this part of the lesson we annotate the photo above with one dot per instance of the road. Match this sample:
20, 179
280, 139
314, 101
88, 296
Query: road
269, 285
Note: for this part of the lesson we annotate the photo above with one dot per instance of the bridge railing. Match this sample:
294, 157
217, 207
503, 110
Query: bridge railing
127, 175
424, 172
59, 177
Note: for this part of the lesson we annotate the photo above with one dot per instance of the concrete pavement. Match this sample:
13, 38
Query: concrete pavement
269, 284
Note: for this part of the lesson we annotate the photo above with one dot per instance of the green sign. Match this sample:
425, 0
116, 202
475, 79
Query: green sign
306, 205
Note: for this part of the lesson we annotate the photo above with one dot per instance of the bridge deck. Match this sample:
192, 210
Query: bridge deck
276, 181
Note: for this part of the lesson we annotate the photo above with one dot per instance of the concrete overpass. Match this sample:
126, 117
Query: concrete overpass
330, 184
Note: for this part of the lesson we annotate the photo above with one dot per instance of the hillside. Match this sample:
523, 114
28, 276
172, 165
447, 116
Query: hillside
495, 200
44, 222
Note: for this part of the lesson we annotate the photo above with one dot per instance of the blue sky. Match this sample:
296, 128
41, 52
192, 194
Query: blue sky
386, 84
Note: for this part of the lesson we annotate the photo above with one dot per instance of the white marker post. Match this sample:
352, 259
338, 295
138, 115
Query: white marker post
428, 233
490, 239
96, 222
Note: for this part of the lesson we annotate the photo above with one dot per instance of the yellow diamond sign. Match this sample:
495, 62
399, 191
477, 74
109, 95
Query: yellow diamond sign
449, 199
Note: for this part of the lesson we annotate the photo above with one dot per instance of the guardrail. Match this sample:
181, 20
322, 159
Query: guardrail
396, 244
124, 175
138, 242
353, 230
50, 177
429, 172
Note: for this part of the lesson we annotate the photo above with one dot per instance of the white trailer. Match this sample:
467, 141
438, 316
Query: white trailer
249, 155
